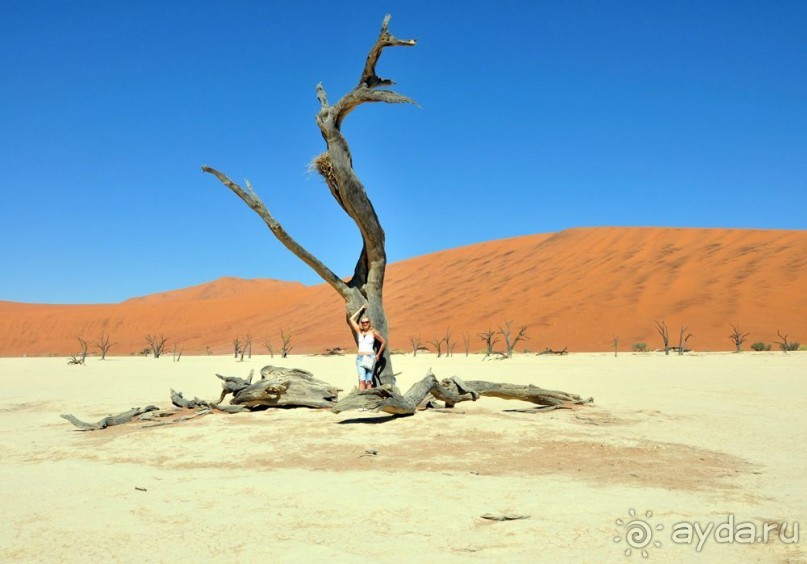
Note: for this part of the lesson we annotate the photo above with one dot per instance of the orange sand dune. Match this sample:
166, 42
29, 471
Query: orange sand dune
577, 288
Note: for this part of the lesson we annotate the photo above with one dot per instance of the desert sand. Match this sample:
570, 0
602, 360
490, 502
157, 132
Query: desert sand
701, 439
578, 289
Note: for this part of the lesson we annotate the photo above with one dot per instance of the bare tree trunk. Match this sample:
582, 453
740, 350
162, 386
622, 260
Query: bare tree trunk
103, 345
449, 344
683, 337
286, 347
80, 358
416, 344
784, 344
84, 347
438, 346
336, 167
665, 336
511, 344
177, 352
737, 337
490, 342
157, 344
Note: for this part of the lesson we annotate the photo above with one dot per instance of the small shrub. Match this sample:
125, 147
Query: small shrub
639, 347
794, 346
760, 347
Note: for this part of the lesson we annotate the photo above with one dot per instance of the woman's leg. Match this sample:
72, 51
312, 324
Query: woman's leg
360, 372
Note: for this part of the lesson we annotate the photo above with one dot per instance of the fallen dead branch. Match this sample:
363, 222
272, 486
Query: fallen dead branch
291, 387
451, 391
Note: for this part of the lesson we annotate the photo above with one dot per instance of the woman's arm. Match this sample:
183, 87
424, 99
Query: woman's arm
354, 317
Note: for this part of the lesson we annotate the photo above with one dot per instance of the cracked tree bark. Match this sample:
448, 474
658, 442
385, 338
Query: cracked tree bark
335, 165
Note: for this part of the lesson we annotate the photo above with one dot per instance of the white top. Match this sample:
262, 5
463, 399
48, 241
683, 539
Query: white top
366, 342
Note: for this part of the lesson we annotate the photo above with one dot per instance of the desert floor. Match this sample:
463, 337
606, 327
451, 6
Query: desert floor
671, 443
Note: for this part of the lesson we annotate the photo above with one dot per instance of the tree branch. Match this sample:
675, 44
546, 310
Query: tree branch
253, 201
360, 95
369, 78
336, 165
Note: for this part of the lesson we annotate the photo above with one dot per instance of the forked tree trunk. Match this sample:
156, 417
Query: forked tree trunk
336, 167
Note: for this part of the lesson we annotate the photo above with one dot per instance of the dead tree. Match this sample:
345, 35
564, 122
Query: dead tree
449, 345
416, 343
683, 337
157, 344
336, 167
81, 357
490, 339
437, 343
665, 335
509, 343
177, 356
103, 345
466, 341
236, 347
270, 348
616, 345
286, 347
784, 344
247, 346
549, 350
737, 337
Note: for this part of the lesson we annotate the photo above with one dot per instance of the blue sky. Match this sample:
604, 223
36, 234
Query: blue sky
534, 117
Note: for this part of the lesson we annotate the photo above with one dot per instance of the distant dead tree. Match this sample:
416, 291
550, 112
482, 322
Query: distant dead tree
550, 350
737, 337
447, 340
270, 348
616, 345
490, 339
177, 353
665, 335
157, 344
103, 345
286, 347
784, 344
511, 342
416, 343
683, 337
81, 357
248, 343
237, 346
466, 341
335, 166
437, 343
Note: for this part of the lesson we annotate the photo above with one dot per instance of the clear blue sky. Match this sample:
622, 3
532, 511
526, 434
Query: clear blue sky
534, 117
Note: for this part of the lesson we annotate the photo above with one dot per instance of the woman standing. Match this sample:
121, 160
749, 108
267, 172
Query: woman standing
368, 356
